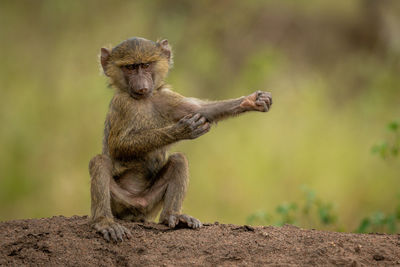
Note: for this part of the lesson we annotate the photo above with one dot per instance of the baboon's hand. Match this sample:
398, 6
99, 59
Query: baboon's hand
112, 231
174, 219
192, 126
258, 101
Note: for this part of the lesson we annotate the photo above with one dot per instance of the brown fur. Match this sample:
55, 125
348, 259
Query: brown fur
134, 178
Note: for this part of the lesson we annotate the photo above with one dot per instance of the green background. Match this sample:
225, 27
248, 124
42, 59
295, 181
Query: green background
332, 67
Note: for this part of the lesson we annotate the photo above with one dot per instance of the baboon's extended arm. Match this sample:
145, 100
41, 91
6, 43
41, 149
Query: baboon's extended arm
178, 106
219, 110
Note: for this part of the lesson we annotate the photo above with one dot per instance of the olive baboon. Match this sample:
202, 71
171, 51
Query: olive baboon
134, 177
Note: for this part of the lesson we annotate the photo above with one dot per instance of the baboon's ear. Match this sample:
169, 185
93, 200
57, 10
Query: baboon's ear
104, 58
166, 48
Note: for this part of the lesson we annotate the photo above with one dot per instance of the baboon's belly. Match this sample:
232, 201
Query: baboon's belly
137, 176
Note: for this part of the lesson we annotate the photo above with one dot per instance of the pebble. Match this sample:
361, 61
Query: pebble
378, 257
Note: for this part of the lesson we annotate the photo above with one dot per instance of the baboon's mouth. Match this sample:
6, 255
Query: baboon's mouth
138, 95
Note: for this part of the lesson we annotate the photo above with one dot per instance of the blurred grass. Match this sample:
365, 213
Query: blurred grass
334, 81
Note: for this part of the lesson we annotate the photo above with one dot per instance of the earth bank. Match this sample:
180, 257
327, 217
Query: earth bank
62, 241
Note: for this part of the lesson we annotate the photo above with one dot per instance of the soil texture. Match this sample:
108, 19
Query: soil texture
61, 241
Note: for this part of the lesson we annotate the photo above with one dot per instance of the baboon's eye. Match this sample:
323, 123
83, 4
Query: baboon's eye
145, 65
131, 66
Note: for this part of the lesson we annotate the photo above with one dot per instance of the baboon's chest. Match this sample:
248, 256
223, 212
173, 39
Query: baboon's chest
147, 117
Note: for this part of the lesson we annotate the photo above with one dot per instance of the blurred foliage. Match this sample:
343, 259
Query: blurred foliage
332, 68
313, 207
379, 221
389, 148
311, 211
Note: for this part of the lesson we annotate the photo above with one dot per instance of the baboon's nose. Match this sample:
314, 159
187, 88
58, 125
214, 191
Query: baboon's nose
143, 90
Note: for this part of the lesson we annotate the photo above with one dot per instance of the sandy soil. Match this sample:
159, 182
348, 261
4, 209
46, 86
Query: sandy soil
61, 241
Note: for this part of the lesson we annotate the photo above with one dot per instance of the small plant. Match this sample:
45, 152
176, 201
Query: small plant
389, 148
286, 213
316, 213
380, 222
311, 212
323, 210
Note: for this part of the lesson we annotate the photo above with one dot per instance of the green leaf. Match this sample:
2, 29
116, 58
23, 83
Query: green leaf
393, 126
378, 218
383, 149
364, 225
395, 151
325, 213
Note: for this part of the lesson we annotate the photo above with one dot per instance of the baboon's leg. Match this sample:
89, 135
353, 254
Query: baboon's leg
100, 173
101, 216
177, 185
170, 188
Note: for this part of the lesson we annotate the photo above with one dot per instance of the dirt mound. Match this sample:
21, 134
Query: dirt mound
60, 241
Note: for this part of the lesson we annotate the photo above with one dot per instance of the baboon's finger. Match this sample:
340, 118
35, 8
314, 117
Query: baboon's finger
113, 235
118, 231
202, 129
126, 232
266, 99
106, 235
172, 221
194, 118
200, 121
262, 104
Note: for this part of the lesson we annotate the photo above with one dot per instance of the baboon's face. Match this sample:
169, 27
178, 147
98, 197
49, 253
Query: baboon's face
139, 78
137, 66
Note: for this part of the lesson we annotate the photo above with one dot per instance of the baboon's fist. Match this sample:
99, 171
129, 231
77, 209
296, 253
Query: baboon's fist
258, 101
192, 126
